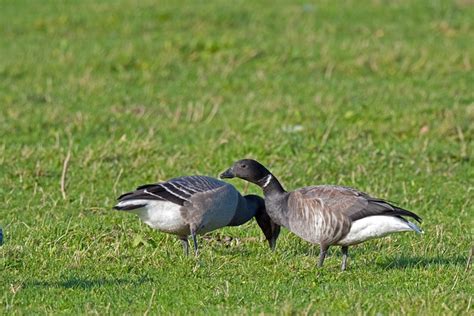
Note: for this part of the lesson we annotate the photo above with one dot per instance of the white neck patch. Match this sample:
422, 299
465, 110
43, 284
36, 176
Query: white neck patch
267, 180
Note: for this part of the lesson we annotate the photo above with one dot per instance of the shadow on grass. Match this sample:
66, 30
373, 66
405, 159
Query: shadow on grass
423, 262
81, 283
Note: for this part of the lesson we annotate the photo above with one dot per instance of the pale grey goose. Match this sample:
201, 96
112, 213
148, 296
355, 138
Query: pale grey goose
192, 205
326, 214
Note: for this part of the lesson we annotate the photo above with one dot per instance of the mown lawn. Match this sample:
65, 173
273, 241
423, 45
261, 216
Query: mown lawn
372, 94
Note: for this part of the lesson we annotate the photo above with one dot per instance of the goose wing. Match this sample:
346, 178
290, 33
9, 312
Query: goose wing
177, 190
350, 202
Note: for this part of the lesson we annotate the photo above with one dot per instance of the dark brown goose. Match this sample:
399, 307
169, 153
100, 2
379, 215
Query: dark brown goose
193, 205
326, 214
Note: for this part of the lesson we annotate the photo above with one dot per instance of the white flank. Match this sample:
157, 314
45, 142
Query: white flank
162, 215
374, 227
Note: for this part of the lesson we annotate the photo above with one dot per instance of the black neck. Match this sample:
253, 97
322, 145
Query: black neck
270, 185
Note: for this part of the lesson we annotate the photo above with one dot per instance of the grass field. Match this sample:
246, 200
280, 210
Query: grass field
372, 94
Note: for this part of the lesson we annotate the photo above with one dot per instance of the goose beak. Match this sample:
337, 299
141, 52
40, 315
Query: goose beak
228, 174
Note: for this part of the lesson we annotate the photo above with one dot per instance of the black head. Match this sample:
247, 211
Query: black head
268, 227
247, 169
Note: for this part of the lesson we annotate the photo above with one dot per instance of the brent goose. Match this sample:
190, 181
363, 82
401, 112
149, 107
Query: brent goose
325, 214
192, 205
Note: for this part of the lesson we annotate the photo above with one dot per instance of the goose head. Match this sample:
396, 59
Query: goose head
247, 169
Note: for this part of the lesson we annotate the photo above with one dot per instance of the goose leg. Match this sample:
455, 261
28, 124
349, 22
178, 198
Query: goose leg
185, 243
322, 255
196, 250
345, 251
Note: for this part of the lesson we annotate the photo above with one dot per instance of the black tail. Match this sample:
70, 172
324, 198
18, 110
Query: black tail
403, 212
128, 207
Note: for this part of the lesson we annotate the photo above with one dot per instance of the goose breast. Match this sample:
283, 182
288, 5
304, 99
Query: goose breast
211, 209
314, 215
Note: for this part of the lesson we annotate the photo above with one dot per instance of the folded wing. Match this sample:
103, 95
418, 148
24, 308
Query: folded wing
177, 190
352, 203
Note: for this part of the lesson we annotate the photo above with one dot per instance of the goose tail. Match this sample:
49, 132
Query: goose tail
415, 228
129, 205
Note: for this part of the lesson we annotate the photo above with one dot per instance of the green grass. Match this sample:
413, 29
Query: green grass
372, 94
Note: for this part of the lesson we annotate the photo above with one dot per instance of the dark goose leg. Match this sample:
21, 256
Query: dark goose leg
193, 235
322, 254
185, 243
345, 251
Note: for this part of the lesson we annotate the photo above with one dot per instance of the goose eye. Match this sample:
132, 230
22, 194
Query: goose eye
244, 166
